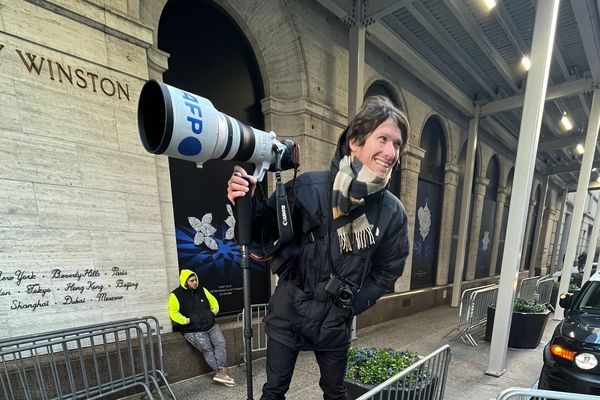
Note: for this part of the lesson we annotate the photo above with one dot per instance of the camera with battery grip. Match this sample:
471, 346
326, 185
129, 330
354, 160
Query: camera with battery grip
342, 291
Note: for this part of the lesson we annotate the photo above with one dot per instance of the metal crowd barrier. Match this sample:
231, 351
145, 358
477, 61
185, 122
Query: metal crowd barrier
426, 379
463, 308
473, 313
527, 394
543, 291
87, 362
527, 288
259, 336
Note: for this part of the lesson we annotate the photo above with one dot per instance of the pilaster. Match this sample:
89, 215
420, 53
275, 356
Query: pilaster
527, 235
451, 177
481, 185
500, 202
158, 62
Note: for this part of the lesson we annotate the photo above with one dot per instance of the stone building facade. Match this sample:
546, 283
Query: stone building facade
86, 215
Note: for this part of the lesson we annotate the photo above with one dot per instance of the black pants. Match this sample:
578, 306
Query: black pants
281, 361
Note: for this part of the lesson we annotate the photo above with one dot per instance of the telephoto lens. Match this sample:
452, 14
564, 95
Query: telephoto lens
183, 125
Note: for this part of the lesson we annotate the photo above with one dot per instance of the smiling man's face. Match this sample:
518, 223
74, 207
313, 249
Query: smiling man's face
381, 149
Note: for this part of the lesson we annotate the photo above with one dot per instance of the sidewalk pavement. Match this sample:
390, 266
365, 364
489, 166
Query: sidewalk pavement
422, 332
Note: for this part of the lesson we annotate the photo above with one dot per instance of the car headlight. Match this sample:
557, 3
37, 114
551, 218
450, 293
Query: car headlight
586, 361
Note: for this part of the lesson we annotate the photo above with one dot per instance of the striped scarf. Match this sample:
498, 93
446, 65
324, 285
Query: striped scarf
353, 182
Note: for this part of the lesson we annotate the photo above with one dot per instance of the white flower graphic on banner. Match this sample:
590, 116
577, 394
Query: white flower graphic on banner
204, 231
424, 215
230, 221
485, 242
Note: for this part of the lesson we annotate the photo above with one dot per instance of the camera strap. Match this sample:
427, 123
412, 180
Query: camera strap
284, 217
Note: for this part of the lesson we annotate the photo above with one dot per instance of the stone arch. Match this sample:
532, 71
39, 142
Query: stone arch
487, 157
509, 182
445, 128
395, 91
277, 82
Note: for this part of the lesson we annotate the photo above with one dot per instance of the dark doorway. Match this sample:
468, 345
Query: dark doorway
430, 193
210, 57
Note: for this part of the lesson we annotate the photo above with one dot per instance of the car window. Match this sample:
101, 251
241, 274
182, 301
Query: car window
590, 300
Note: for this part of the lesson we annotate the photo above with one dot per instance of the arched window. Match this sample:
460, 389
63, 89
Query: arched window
382, 88
430, 194
211, 57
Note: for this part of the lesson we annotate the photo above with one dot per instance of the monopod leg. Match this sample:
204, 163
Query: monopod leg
243, 225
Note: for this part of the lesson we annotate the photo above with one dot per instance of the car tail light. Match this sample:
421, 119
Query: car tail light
562, 352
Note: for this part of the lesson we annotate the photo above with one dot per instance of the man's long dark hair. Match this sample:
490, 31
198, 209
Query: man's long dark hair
374, 111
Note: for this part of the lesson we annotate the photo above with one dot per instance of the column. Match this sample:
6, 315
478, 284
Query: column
356, 68
411, 166
158, 63
448, 208
500, 201
591, 249
465, 208
529, 133
481, 185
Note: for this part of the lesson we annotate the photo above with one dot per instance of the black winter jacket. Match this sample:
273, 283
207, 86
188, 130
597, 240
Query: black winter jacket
302, 315
197, 305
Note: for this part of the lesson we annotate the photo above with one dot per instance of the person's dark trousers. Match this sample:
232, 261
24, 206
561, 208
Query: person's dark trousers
333, 368
281, 361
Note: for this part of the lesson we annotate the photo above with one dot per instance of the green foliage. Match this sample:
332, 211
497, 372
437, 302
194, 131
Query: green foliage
371, 366
528, 307
572, 286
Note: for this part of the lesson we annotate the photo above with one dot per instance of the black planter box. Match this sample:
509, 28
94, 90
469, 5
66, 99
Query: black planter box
526, 329
425, 391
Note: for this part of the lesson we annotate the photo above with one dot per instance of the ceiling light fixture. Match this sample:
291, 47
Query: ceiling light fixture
490, 4
566, 122
526, 62
579, 149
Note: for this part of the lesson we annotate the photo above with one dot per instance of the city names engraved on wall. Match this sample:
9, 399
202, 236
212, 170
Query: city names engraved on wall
36, 290
73, 75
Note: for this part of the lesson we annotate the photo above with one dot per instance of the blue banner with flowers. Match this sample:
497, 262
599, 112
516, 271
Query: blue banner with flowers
204, 226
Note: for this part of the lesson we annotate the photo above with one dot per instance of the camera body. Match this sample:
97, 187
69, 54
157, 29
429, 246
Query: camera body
343, 292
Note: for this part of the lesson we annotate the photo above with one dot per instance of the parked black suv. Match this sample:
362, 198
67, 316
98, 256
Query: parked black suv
572, 357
